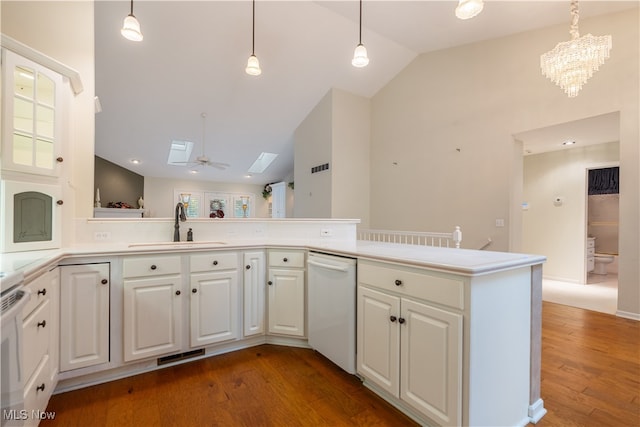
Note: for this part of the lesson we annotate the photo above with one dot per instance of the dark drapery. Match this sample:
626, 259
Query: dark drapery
604, 181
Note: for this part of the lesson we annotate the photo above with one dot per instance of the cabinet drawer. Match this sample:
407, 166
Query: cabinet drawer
37, 335
214, 261
150, 266
286, 258
413, 282
591, 243
37, 391
40, 291
591, 251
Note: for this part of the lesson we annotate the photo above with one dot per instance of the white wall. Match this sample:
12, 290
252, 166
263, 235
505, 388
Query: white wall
559, 232
64, 31
441, 146
160, 203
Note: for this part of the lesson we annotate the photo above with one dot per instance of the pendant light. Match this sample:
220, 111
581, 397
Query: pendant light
253, 65
360, 58
131, 27
469, 8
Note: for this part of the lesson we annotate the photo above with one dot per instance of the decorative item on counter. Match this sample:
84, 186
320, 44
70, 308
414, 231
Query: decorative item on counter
266, 192
119, 205
245, 205
98, 204
190, 235
140, 202
216, 208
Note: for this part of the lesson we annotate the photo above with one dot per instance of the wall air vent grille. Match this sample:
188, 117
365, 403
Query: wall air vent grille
320, 168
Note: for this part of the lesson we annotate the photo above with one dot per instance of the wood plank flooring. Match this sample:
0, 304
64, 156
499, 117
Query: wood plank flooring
590, 377
590, 368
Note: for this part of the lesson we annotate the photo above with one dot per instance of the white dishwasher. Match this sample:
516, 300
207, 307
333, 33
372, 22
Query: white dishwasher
332, 308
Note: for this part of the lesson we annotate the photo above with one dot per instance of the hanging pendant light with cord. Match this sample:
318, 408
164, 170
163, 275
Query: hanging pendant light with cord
467, 9
360, 58
253, 65
131, 27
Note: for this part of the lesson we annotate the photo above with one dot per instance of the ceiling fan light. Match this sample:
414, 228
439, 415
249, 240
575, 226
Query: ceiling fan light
360, 58
469, 8
253, 66
131, 29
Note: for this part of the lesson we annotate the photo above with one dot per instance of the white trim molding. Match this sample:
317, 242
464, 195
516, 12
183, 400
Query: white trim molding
44, 60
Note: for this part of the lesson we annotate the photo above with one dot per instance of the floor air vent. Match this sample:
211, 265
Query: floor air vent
180, 356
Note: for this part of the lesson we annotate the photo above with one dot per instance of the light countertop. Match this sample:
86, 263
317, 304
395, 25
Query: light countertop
459, 261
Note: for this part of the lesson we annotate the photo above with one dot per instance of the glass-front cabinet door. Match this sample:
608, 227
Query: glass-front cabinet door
32, 116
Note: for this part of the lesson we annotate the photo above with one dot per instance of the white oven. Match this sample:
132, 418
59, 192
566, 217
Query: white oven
14, 297
31, 216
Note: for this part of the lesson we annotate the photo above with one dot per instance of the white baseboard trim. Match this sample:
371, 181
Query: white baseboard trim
628, 315
536, 411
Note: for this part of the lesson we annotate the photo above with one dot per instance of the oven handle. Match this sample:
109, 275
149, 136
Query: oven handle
343, 268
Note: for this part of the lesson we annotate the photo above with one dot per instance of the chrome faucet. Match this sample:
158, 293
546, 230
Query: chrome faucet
183, 217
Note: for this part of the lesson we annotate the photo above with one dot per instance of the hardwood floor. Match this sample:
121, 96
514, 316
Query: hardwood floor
590, 377
590, 368
261, 386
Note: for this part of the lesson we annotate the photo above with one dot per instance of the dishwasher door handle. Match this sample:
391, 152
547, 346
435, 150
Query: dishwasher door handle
343, 267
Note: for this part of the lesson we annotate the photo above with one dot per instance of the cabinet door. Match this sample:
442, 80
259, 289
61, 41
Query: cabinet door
431, 365
214, 307
286, 302
33, 116
84, 315
254, 283
152, 316
378, 348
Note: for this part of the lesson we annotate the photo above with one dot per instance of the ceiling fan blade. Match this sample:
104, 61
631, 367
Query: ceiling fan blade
219, 165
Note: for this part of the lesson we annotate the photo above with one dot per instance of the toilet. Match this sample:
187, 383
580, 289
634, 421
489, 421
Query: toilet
601, 261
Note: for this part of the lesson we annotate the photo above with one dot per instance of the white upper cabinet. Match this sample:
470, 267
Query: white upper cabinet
33, 107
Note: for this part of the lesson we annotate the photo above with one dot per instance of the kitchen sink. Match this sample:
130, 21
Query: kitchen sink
177, 244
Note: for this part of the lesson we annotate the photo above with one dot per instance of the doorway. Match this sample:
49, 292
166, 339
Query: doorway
555, 205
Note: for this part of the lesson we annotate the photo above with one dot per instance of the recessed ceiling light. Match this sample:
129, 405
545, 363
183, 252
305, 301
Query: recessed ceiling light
248, 175
135, 161
193, 171
568, 142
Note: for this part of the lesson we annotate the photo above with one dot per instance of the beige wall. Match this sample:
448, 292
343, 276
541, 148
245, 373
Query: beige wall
559, 231
312, 147
337, 131
64, 31
442, 145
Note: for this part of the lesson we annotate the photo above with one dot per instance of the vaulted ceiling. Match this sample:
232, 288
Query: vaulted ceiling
193, 56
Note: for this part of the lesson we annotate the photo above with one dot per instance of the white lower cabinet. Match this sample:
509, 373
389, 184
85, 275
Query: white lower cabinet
408, 348
84, 315
152, 306
286, 293
254, 292
40, 344
213, 307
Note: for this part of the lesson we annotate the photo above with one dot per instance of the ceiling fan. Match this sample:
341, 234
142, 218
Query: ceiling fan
203, 160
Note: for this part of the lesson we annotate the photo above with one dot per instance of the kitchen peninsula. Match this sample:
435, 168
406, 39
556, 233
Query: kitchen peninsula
457, 332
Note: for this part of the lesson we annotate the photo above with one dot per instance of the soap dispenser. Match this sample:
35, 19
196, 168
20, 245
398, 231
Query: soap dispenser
190, 235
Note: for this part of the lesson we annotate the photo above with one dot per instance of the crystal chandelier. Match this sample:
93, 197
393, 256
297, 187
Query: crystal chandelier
570, 64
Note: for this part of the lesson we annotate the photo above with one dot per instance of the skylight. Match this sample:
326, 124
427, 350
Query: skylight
262, 162
180, 152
